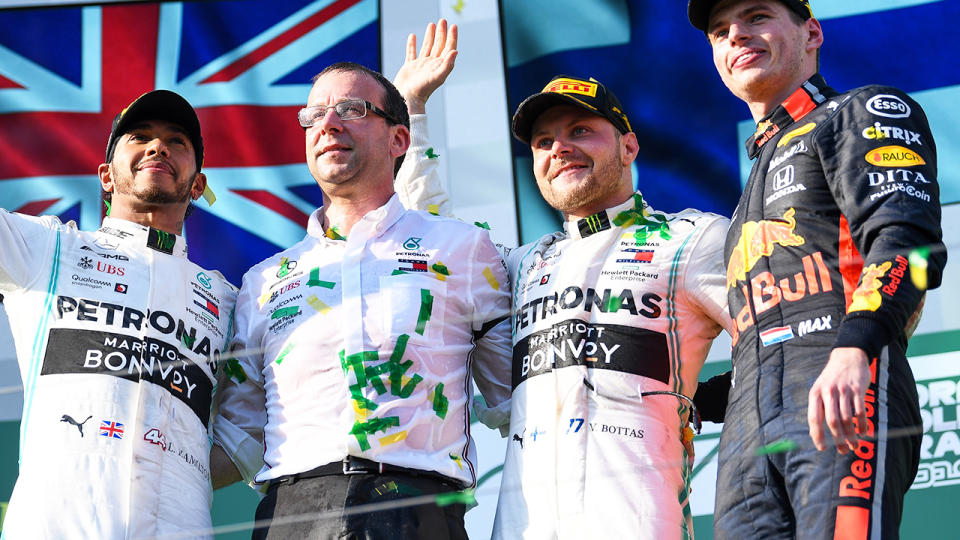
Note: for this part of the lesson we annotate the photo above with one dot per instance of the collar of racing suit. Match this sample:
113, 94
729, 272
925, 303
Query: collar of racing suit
803, 100
114, 232
382, 219
594, 223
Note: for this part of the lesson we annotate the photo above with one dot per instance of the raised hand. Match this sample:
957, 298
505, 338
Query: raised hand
420, 75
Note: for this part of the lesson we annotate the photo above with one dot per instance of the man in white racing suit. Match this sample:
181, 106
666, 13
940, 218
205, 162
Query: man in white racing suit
364, 336
612, 321
118, 336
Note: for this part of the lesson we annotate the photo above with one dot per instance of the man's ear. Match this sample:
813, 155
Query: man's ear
400, 141
629, 148
106, 177
814, 34
199, 184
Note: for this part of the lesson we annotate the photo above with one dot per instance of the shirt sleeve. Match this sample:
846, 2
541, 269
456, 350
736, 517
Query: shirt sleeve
705, 277
25, 243
880, 161
418, 185
490, 288
241, 400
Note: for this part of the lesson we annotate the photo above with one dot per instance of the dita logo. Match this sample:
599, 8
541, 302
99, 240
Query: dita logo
69, 419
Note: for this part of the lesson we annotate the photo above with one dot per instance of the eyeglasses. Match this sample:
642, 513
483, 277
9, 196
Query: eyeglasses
349, 109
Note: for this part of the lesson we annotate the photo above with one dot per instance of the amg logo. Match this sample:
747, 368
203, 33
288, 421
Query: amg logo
814, 325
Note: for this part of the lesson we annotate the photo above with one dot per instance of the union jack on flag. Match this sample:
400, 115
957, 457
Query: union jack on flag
245, 67
111, 429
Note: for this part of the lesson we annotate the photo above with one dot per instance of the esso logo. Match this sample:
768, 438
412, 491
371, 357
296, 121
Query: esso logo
889, 106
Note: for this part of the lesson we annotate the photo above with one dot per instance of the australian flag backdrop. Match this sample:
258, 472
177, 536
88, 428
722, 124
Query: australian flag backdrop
246, 66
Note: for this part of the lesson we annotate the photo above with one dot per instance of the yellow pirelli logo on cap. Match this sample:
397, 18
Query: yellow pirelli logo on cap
572, 86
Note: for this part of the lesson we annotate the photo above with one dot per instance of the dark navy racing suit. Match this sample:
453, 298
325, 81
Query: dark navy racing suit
843, 189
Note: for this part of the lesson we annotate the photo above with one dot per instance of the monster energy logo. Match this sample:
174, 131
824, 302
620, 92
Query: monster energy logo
161, 241
593, 224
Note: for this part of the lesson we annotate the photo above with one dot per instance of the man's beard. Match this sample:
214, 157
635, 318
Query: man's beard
606, 179
151, 194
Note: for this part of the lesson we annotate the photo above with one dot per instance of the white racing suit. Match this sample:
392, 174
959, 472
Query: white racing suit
117, 336
625, 303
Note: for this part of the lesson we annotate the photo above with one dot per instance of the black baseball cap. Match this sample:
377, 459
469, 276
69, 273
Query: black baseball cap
588, 94
158, 105
698, 11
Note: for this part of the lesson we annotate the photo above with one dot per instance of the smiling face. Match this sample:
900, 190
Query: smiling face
581, 162
343, 155
153, 163
762, 51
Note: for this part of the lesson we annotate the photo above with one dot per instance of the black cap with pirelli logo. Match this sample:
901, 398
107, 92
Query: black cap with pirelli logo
565, 90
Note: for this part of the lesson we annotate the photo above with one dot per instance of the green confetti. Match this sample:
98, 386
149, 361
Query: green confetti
431, 154
333, 233
397, 369
361, 430
364, 403
373, 375
188, 341
456, 497
440, 401
613, 304
397, 272
284, 267
355, 362
426, 309
284, 352
107, 204
285, 312
779, 447
482, 225
440, 269
918, 267
315, 280
647, 226
235, 370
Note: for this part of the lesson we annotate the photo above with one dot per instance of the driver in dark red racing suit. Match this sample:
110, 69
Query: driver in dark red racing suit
843, 190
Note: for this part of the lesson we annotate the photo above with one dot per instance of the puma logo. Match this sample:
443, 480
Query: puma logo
69, 419
519, 438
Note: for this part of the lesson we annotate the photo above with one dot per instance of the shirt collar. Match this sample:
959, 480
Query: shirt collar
602, 220
127, 233
808, 97
379, 219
